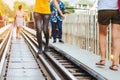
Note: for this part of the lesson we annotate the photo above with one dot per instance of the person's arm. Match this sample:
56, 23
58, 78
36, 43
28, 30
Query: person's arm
57, 7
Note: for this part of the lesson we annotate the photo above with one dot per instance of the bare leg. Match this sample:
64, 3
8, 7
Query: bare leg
103, 33
116, 44
50, 31
17, 32
20, 29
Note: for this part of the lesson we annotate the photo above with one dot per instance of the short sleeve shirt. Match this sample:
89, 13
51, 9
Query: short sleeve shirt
55, 16
42, 6
107, 4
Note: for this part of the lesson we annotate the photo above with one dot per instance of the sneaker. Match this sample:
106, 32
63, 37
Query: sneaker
54, 41
61, 41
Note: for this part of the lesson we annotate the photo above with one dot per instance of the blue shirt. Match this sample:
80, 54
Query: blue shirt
55, 16
107, 4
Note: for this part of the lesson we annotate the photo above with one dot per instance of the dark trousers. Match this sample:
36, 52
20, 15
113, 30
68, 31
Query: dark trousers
41, 23
56, 25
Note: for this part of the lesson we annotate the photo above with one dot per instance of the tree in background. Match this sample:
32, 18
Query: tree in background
17, 3
69, 8
5, 9
27, 9
1, 4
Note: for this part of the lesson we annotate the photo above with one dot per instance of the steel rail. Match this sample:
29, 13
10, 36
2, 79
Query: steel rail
31, 43
4, 52
67, 73
81, 65
90, 71
4, 41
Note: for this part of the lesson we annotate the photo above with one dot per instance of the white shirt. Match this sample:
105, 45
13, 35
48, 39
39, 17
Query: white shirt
107, 4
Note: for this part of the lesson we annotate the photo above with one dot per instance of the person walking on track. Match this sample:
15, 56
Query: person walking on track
19, 21
42, 16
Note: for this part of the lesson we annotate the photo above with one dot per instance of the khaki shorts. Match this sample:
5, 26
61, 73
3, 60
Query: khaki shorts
107, 16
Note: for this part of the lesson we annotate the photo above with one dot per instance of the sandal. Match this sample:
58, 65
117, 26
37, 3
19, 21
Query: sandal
101, 63
113, 67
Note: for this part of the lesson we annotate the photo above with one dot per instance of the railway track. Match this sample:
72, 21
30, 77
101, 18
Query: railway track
54, 64
5, 40
20, 63
62, 66
69, 69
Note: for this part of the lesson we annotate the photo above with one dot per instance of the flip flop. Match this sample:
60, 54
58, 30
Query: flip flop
114, 69
101, 63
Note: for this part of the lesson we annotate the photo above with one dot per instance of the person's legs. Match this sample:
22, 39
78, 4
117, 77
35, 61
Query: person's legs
104, 17
116, 44
50, 30
38, 24
59, 23
17, 32
102, 37
115, 40
46, 19
54, 31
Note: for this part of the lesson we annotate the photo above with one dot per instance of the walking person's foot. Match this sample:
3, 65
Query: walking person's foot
61, 41
101, 63
46, 49
114, 67
54, 41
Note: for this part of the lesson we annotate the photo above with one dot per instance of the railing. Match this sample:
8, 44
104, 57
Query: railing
82, 30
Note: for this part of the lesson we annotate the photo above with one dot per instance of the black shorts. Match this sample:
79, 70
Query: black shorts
107, 16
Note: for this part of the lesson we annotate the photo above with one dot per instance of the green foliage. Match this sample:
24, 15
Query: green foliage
5, 9
27, 9
84, 2
69, 9
1, 4
66, 3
